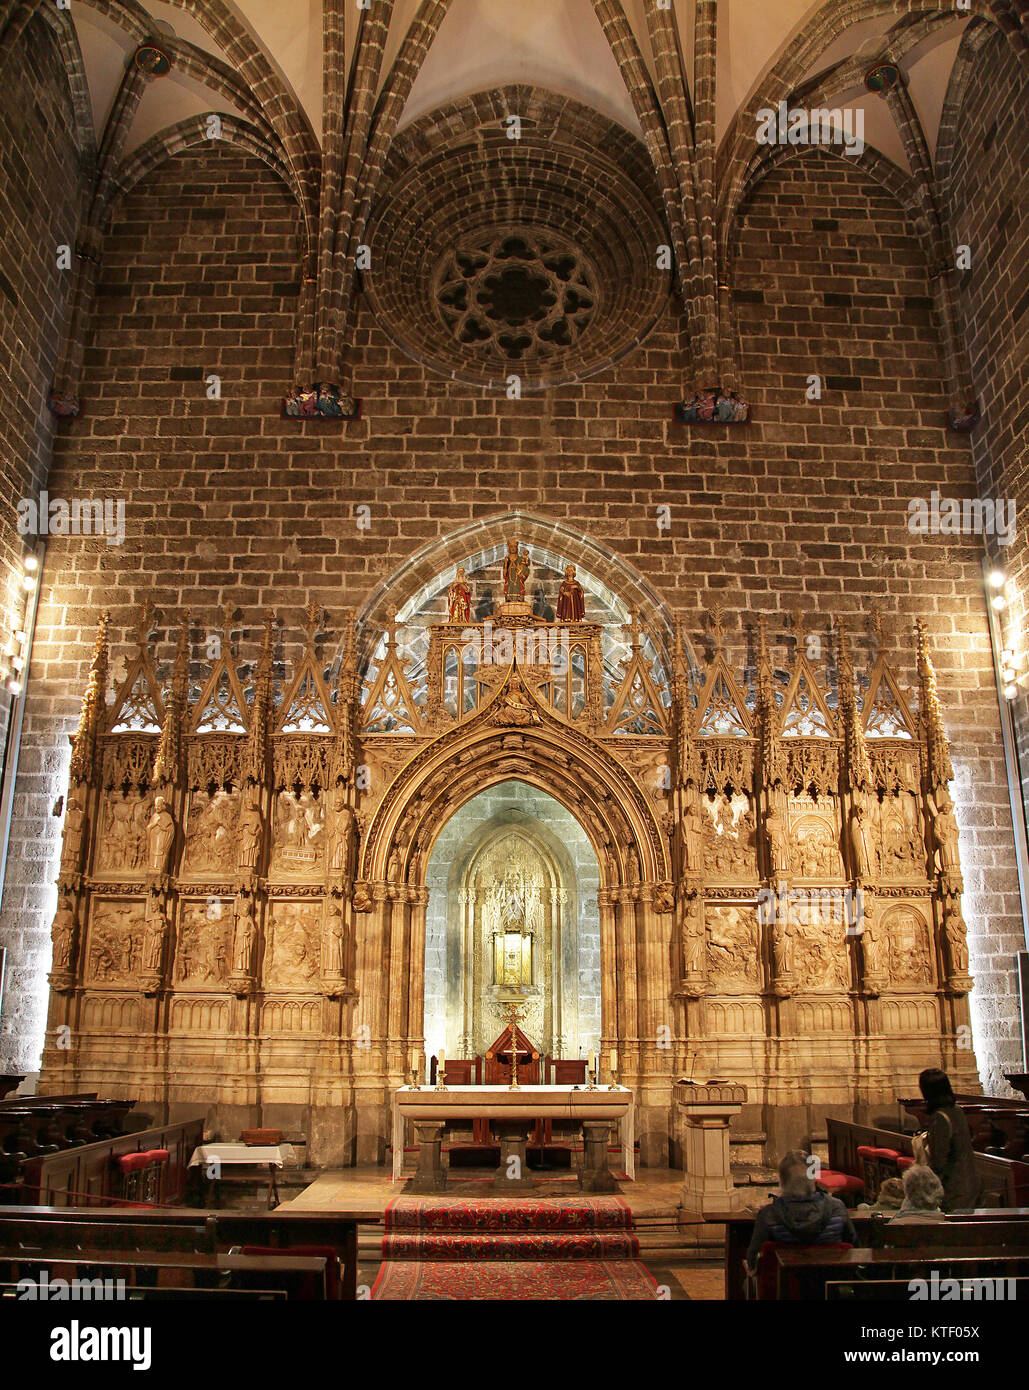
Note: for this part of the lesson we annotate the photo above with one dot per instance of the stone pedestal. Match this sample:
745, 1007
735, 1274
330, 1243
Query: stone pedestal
429, 1175
595, 1176
513, 1173
706, 1111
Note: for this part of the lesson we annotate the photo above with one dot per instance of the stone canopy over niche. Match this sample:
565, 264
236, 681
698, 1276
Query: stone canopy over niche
529, 249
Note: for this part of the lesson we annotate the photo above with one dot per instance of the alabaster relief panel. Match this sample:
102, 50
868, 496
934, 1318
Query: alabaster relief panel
291, 1016
909, 945
898, 838
211, 833
910, 1016
733, 946
199, 1016
121, 844
730, 838
814, 839
737, 1017
298, 836
820, 951
116, 930
204, 943
293, 945
117, 1014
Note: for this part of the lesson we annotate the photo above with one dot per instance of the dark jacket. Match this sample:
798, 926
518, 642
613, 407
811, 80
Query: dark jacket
815, 1220
950, 1155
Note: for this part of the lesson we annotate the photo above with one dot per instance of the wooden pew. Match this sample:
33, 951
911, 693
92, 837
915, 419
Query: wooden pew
9, 1083
298, 1276
86, 1174
953, 1232
871, 1231
898, 1290
803, 1274
225, 1229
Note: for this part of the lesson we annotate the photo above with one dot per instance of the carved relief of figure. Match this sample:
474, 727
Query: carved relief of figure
632, 866
341, 837
909, 948
782, 947
250, 826
299, 832
945, 833
873, 948
459, 599
729, 837
210, 844
571, 601
333, 946
859, 840
778, 845
63, 935
122, 846
514, 708
516, 572
245, 938
393, 867
160, 833
74, 828
733, 944
694, 944
817, 855
293, 958
115, 934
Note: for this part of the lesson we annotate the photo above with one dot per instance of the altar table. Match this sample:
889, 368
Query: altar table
500, 1103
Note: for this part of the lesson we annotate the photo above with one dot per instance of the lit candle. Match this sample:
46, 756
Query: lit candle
589, 1064
440, 1064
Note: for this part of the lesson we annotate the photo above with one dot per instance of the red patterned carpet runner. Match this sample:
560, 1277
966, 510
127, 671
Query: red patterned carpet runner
508, 1247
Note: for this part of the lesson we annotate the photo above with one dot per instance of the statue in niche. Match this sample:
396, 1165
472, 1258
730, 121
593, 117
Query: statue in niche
74, 829
571, 601
516, 572
859, 840
393, 867
782, 946
632, 866
945, 833
956, 934
160, 834
341, 837
873, 948
154, 938
211, 842
459, 599
778, 844
244, 938
693, 841
694, 944
63, 935
250, 827
333, 945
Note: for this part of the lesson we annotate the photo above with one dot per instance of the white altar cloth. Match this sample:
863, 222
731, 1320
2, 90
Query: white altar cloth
526, 1103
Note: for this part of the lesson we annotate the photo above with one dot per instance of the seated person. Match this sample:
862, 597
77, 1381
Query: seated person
801, 1215
888, 1202
948, 1143
923, 1195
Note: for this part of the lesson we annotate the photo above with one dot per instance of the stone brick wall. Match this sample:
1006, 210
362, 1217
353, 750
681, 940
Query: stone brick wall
38, 212
987, 197
226, 500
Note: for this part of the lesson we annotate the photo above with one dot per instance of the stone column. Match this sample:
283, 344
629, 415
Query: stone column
429, 1176
609, 1032
707, 1111
512, 1175
596, 1176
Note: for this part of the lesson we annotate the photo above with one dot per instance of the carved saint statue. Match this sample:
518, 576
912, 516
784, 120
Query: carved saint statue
782, 947
63, 934
571, 601
333, 948
632, 866
945, 833
246, 936
858, 842
74, 825
160, 833
873, 947
250, 830
778, 845
957, 944
393, 867
341, 837
516, 572
514, 708
459, 599
694, 946
155, 936
693, 841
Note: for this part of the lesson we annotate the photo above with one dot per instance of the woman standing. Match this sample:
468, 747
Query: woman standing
948, 1145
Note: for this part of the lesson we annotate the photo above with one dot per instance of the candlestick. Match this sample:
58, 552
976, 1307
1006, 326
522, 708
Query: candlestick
441, 1065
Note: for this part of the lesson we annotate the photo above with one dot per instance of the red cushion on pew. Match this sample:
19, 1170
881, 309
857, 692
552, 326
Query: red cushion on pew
157, 1155
904, 1162
132, 1163
326, 1252
840, 1182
